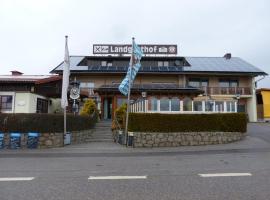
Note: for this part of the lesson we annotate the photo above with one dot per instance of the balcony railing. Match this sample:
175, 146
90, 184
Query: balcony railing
227, 90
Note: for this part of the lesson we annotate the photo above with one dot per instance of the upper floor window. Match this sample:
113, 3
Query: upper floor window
106, 63
198, 82
87, 85
6, 102
163, 63
228, 83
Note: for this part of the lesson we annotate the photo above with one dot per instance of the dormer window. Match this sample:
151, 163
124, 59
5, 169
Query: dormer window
106, 63
103, 63
109, 64
163, 63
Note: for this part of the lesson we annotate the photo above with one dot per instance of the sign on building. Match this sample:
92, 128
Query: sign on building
126, 49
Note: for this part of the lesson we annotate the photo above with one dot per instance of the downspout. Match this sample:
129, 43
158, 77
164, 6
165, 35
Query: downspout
259, 80
14, 103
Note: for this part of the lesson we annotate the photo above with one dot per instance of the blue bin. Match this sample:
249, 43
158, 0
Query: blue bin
32, 140
130, 141
15, 141
2, 142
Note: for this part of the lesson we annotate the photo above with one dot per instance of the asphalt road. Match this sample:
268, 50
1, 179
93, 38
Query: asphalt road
142, 174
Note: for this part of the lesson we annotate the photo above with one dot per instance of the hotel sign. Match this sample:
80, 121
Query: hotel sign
126, 49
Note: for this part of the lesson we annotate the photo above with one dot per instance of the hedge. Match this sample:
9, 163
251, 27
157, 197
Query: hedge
44, 123
156, 122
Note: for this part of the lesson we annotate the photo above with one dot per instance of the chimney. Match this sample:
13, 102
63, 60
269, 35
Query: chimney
228, 55
16, 73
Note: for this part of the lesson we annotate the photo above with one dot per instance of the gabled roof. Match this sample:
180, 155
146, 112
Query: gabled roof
32, 79
195, 65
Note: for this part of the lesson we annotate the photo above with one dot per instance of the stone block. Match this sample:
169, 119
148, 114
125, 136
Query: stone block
48, 143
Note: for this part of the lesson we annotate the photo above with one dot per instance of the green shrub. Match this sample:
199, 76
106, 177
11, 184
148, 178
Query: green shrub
156, 122
44, 122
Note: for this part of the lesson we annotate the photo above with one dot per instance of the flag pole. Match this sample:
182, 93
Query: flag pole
128, 100
65, 113
65, 83
65, 121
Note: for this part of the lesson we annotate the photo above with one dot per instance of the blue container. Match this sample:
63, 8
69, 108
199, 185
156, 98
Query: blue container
2, 142
67, 138
32, 140
130, 140
15, 141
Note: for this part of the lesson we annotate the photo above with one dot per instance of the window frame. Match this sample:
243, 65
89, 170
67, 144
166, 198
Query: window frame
199, 81
8, 105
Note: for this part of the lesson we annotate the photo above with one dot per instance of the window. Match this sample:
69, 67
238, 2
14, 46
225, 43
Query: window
209, 106
198, 82
42, 106
106, 63
197, 106
152, 104
166, 64
163, 63
228, 83
87, 85
219, 106
175, 104
6, 103
109, 64
103, 63
187, 104
231, 106
194, 83
164, 104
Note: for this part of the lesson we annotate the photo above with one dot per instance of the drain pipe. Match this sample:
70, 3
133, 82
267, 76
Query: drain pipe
259, 80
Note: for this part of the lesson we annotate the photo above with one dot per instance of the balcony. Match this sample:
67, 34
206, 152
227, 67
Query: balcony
227, 90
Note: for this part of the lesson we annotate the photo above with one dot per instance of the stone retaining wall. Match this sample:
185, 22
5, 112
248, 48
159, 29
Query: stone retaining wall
184, 138
46, 140
52, 140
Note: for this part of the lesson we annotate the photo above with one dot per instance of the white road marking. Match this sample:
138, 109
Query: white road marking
224, 174
115, 177
17, 179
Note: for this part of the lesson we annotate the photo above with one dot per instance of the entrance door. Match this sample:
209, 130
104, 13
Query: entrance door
107, 108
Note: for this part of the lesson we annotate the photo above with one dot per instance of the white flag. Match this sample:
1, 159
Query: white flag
65, 82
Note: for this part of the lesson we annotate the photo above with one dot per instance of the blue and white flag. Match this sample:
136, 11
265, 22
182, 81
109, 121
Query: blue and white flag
134, 66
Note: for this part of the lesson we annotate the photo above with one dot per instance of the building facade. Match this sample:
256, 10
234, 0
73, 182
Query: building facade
172, 84
263, 104
29, 93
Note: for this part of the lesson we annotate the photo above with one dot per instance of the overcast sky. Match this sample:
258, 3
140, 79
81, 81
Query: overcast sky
32, 31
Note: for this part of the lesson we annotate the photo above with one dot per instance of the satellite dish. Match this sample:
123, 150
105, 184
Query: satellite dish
177, 63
